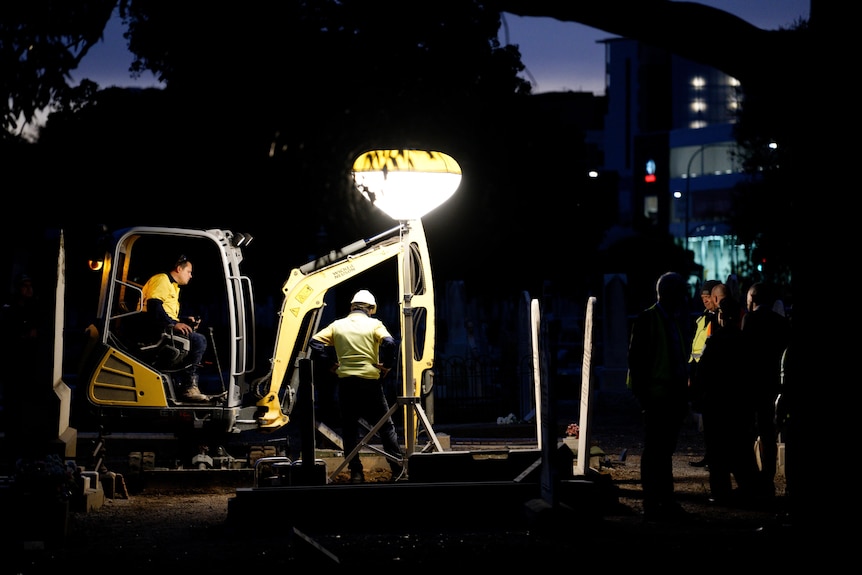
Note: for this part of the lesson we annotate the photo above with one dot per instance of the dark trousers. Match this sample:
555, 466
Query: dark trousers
662, 424
731, 451
364, 399
198, 346
765, 411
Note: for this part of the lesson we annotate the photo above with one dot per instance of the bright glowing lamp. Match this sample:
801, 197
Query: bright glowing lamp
406, 184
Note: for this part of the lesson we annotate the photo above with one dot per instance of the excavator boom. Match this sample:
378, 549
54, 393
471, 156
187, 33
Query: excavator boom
304, 298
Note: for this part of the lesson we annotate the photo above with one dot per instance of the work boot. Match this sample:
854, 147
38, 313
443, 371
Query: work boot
397, 472
357, 476
396, 468
192, 392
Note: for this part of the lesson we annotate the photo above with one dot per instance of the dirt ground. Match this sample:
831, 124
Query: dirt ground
188, 530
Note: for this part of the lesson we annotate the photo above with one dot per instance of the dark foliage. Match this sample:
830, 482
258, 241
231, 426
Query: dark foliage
266, 107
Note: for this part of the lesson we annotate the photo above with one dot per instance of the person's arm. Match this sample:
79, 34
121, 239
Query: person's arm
193, 321
157, 313
636, 359
644, 346
156, 310
318, 349
388, 352
321, 350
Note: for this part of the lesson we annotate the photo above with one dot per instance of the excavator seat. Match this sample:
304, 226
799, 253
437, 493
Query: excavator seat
169, 352
164, 350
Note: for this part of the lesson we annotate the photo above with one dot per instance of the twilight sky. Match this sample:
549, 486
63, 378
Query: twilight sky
559, 56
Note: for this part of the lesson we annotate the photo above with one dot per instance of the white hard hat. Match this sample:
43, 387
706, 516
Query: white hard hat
364, 296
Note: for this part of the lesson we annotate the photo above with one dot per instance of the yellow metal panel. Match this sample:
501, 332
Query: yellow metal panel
121, 380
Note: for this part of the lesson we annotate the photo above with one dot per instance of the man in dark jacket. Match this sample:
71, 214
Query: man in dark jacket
766, 335
658, 376
728, 410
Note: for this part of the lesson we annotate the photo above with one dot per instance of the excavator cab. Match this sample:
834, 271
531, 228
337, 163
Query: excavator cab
131, 369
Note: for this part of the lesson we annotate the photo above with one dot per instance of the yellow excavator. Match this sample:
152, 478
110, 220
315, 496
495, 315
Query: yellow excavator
130, 384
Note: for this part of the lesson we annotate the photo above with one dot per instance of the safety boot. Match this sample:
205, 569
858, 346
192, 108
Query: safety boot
398, 472
192, 392
398, 467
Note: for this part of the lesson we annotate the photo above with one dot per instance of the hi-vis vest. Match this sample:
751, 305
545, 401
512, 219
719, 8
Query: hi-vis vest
702, 331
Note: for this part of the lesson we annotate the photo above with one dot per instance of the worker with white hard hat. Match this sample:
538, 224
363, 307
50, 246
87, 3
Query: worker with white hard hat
365, 351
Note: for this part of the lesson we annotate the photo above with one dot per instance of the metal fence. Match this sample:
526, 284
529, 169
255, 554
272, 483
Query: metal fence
480, 389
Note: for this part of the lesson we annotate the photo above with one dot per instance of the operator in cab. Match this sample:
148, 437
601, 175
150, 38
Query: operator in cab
161, 302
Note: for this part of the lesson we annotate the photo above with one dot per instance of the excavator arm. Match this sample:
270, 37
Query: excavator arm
304, 294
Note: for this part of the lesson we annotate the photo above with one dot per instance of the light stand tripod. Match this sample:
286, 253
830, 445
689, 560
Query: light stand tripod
406, 402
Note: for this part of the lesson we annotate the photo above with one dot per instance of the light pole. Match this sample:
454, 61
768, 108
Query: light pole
697, 152
406, 185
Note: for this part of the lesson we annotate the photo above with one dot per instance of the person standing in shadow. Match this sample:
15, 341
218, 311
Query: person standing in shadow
24, 330
783, 409
766, 334
658, 354
728, 410
702, 328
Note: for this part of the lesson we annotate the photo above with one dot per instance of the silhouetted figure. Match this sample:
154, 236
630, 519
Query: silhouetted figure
20, 316
728, 410
784, 408
766, 335
658, 355
25, 340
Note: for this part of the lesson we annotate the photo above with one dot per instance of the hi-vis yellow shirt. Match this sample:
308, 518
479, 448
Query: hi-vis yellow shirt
356, 339
161, 287
702, 331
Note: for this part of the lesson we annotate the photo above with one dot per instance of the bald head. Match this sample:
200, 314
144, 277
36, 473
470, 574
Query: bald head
719, 292
671, 291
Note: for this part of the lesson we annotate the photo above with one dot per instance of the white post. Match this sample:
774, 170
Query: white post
586, 392
535, 321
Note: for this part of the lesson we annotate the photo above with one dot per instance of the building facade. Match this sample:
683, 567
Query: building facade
669, 136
